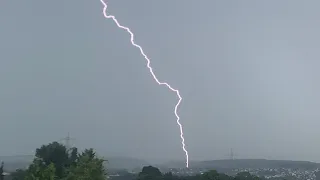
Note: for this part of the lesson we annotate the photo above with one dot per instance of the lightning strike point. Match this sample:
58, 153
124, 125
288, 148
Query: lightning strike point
105, 6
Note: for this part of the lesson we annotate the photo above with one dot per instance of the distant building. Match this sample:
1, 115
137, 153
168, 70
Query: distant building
5, 174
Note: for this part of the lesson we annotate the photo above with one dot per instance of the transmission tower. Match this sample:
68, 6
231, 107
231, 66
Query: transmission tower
231, 154
67, 141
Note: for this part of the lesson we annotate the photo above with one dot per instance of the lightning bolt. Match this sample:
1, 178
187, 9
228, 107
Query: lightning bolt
105, 6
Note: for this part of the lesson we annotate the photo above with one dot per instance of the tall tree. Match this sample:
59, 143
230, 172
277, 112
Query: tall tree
73, 156
89, 153
19, 174
88, 167
39, 171
1, 171
150, 173
56, 154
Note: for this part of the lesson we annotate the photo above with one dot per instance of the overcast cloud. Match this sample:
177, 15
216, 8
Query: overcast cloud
247, 70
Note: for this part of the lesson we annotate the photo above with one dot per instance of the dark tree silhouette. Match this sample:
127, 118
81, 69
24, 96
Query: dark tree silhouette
55, 153
150, 173
1, 171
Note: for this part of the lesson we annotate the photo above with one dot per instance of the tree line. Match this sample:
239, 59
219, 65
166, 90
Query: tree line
55, 162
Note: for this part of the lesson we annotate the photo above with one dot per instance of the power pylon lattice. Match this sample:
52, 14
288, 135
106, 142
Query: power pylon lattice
67, 141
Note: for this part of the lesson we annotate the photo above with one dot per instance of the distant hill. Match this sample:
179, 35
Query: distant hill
11, 163
255, 163
125, 163
27, 158
176, 164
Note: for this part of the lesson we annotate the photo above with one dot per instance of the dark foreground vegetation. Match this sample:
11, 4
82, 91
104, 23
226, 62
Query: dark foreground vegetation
55, 162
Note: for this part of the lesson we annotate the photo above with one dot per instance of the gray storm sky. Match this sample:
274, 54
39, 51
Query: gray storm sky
247, 70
